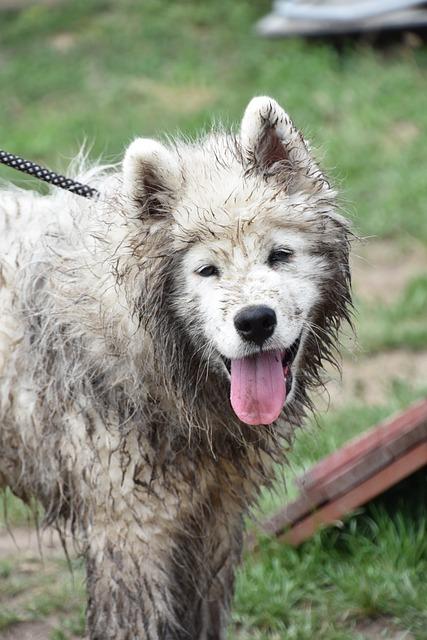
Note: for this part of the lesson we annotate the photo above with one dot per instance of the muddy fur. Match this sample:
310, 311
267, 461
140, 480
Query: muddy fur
114, 395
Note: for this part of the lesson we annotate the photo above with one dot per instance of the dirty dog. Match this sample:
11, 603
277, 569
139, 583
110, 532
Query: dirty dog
157, 350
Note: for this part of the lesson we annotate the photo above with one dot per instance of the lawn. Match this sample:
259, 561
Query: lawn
102, 72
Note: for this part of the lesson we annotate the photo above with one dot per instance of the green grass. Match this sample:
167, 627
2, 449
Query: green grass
373, 567
399, 325
15, 513
106, 71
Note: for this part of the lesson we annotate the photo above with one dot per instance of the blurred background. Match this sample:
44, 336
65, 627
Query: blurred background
103, 71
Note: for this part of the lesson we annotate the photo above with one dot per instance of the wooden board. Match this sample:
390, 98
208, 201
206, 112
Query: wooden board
381, 436
377, 484
354, 474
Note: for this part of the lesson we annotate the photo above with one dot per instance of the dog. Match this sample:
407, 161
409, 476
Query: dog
158, 346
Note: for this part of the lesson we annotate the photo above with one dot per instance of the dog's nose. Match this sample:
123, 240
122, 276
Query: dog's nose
256, 323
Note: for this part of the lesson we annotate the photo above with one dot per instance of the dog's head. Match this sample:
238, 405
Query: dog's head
257, 254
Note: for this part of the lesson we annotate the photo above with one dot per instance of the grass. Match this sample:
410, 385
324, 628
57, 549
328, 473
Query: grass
107, 71
33, 589
370, 568
17, 513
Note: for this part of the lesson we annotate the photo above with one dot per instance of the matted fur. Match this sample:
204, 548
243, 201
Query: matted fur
114, 395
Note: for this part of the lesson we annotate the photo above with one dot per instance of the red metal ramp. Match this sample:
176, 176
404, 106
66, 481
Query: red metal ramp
355, 474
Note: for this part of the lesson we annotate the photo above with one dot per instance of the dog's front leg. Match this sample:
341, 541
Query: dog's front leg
221, 592
203, 565
128, 591
132, 596
214, 610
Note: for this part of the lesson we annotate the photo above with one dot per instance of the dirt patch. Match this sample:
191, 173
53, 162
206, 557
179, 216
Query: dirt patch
382, 629
381, 270
32, 631
63, 42
401, 134
37, 562
370, 379
185, 98
28, 631
21, 541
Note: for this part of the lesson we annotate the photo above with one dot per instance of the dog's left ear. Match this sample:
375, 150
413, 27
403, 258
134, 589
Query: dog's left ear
273, 146
151, 177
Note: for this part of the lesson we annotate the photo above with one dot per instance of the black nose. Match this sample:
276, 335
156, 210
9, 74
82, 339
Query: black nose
256, 323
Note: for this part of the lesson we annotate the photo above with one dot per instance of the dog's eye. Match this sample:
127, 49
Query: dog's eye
207, 271
279, 255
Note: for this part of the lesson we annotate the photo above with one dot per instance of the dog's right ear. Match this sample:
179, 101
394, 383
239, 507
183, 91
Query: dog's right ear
151, 177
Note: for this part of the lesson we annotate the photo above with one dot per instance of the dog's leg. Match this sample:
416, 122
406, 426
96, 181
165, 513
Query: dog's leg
131, 597
214, 612
128, 593
202, 578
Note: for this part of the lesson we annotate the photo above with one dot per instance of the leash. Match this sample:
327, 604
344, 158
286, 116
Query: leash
35, 170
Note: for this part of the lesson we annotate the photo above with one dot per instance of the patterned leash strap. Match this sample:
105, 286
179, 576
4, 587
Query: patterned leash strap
51, 177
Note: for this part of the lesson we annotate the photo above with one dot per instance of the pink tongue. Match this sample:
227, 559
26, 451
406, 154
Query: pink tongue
258, 387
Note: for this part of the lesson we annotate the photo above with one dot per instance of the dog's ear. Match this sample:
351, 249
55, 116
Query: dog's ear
272, 145
151, 176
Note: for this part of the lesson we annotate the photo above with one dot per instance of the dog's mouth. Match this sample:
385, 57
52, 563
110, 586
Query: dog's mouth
260, 384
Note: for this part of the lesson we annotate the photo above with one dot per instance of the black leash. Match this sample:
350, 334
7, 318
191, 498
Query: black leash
35, 170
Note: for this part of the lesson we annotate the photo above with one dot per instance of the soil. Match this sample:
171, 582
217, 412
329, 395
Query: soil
381, 271
29, 630
22, 541
370, 379
32, 552
382, 629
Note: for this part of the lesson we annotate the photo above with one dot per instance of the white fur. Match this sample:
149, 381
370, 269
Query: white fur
114, 398
146, 156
